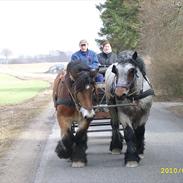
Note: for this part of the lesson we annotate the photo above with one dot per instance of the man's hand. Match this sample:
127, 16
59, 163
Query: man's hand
102, 69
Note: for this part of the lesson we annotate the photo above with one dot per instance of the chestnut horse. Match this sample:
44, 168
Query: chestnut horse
72, 95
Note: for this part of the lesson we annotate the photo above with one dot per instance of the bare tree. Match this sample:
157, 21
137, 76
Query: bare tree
6, 53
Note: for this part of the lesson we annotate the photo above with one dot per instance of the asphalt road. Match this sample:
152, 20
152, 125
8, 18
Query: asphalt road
163, 161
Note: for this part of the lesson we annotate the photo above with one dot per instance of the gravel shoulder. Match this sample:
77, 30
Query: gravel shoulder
21, 151
177, 110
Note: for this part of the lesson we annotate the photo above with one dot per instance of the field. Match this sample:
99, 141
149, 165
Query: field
29, 71
25, 90
15, 90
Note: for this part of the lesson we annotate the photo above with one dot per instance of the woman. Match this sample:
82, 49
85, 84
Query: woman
105, 58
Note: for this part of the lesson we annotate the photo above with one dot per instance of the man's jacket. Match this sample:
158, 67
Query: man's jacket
89, 57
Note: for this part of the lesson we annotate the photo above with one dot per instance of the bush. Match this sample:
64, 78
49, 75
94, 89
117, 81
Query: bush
162, 40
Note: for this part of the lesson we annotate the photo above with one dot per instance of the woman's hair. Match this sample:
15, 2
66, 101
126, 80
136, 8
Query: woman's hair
104, 43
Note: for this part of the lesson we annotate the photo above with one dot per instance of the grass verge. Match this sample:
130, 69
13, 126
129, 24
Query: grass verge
15, 90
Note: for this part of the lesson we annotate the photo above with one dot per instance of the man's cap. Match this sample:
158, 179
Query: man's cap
83, 41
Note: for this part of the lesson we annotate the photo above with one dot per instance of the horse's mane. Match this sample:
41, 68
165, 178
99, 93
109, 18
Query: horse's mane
75, 67
80, 73
127, 57
63, 82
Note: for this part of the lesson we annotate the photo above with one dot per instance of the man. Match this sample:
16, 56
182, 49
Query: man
85, 55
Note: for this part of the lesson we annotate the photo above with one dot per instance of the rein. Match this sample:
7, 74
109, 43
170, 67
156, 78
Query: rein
74, 100
141, 95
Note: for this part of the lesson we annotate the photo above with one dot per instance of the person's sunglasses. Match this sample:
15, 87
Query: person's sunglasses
83, 44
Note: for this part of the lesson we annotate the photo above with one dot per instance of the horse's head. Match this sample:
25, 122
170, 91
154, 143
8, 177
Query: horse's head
126, 73
82, 87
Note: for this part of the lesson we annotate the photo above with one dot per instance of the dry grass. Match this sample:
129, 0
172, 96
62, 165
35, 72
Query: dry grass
14, 118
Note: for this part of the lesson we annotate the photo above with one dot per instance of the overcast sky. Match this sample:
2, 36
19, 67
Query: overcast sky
37, 27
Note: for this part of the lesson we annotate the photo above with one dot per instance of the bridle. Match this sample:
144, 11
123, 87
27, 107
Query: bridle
125, 85
74, 89
133, 94
129, 84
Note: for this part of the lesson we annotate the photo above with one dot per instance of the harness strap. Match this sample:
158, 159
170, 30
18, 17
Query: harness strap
142, 95
55, 95
74, 101
148, 82
112, 88
67, 102
136, 97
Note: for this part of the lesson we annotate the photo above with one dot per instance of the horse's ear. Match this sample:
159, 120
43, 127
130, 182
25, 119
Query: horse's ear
93, 72
134, 56
114, 70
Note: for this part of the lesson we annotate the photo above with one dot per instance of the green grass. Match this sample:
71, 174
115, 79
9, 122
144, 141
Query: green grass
14, 90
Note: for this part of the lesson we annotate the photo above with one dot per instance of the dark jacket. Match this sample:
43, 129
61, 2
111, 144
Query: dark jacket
107, 59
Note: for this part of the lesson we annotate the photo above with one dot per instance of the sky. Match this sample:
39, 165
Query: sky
33, 27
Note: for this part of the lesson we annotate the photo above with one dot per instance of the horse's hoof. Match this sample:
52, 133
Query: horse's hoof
62, 151
78, 164
141, 156
132, 164
116, 151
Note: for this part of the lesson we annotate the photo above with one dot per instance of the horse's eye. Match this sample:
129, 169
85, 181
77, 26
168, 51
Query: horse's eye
131, 74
